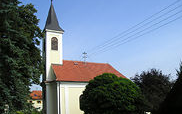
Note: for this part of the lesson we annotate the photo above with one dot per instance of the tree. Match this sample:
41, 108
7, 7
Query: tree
20, 60
109, 94
172, 103
154, 86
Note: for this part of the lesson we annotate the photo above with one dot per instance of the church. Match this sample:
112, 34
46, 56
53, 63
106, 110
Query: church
65, 80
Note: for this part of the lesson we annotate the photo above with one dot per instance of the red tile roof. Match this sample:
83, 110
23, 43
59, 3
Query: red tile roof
36, 95
81, 72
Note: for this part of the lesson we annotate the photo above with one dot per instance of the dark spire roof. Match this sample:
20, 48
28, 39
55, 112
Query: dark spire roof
52, 22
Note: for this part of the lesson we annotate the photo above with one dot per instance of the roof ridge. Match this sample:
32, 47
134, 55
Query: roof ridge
86, 62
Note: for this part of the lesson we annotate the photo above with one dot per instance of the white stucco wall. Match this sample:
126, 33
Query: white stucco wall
61, 97
74, 99
53, 56
69, 97
51, 97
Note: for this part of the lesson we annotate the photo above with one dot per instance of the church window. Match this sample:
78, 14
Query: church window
54, 43
38, 102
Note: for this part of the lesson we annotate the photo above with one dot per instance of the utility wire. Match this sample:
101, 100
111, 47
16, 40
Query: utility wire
117, 40
141, 35
139, 32
108, 41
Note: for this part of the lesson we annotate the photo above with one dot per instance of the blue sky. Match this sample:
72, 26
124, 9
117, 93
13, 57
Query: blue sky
89, 23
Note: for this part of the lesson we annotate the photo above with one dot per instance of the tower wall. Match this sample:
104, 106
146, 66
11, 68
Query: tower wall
52, 53
53, 56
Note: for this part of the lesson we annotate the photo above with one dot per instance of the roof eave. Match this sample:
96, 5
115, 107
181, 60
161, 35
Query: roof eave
55, 31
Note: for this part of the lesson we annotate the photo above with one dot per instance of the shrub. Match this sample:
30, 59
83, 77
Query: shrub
109, 94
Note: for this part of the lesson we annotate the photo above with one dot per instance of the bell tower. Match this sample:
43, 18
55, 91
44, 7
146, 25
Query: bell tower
53, 41
52, 54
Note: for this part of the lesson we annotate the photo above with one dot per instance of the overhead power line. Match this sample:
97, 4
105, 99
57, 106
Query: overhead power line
145, 24
141, 34
113, 38
116, 39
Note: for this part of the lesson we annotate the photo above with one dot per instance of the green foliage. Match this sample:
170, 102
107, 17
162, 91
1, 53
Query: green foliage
29, 112
172, 103
109, 94
154, 86
20, 60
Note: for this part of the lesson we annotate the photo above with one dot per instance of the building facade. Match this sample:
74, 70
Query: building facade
36, 99
64, 80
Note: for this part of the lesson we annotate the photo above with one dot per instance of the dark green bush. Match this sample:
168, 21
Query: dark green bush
172, 103
109, 94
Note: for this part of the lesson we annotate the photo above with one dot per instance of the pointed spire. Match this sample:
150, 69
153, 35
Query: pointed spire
52, 22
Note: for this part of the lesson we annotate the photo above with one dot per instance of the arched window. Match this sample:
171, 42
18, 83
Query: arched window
54, 43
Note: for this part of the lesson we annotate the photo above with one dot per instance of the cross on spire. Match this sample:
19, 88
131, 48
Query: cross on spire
84, 57
52, 22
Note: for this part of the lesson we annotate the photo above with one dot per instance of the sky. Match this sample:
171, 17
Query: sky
89, 23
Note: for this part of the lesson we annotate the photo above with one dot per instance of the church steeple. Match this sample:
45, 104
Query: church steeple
52, 22
52, 42
53, 54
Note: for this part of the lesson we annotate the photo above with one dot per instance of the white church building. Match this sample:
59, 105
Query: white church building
65, 80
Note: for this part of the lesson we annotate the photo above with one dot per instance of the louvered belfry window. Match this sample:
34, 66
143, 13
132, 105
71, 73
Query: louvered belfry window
54, 43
